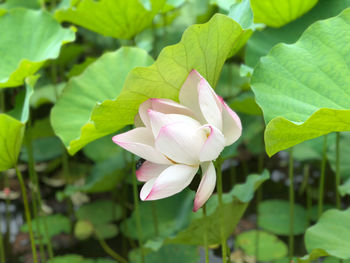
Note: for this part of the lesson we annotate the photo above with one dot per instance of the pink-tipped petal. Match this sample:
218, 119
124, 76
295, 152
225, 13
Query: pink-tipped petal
149, 170
206, 186
171, 181
181, 142
188, 95
231, 126
159, 120
140, 141
209, 104
214, 144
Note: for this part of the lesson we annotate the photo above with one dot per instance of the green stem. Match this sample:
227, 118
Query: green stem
219, 190
308, 195
37, 195
27, 214
8, 215
2, 249
155, 218
137, 209
31, 164
322, 178
206, 248
337, 171
111, 252
291, 205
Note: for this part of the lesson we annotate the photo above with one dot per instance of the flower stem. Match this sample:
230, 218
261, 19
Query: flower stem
155, 218
206, 248
111, 252
27, 214
291, 205
37, 194
2, 249
337, 171
219, 190
322, 178
307, 191
137, 209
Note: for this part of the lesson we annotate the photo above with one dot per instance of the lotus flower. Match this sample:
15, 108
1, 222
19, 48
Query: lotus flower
176, 139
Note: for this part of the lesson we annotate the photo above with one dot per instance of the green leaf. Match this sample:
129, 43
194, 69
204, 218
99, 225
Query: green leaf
32, 4
12, 130
262, 41
36, 29
245, 103
115, 18
344, 189
56, 224
242, 13
99, 212
44, 149
330, 236
74, 258
270, 247
46, 94
172, 214
234, 205
203, 47
303, 89
11, 136
276, 13
274, 217
168, 254
102, 80
106, 231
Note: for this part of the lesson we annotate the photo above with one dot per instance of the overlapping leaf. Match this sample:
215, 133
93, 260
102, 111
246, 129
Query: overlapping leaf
115, 18
102, 80
276, 13
329, 237
203, 47
28, 39
303, 89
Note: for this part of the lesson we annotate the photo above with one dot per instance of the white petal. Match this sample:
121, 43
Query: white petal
214, 144
164, 106
149, 170
231, 124
140, 141
181, 142
158, 120
209, 104
171, 181
188, 95
206, 186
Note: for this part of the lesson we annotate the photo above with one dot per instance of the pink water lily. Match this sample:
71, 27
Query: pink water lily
176, 139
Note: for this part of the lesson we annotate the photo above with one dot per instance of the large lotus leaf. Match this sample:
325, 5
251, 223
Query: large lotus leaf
276, 13
303, 89
115, 18
28, 39
274, 217
11, 136
203, 47
270, 248
330, 236
262, 41
234, 205
12, 127
102, 80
